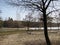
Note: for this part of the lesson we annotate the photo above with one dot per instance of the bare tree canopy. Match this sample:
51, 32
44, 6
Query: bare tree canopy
35, 5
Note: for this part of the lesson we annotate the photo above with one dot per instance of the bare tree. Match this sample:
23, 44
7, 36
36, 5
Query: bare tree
49, 21
57, 18
27, 20
41, 5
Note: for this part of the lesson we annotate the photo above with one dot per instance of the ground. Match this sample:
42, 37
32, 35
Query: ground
19, 37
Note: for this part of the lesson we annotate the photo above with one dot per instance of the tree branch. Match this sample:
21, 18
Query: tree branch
33, 4
39, 8
28, 4
53, 11
45, 1
48, 4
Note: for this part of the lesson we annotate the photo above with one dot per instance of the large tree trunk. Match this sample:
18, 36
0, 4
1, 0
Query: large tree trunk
45, 28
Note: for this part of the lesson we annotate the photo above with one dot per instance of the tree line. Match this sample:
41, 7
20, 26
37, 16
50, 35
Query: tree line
10, 23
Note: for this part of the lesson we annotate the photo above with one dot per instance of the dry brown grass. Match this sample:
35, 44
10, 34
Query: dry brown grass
35, 38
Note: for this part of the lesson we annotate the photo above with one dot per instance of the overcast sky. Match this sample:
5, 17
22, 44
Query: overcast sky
10, 11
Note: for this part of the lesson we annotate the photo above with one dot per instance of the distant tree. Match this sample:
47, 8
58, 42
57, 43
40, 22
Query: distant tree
28, 18
15, 24
5, 24
57, 19
49, 19
10, 22
40, 19
1, 22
